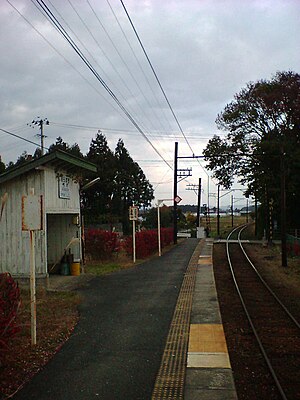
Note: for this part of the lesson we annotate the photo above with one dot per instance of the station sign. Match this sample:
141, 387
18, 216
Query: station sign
133, 213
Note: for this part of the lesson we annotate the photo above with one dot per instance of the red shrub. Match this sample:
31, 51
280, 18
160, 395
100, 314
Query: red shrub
147, 242
9, 305
296, 249
100, 244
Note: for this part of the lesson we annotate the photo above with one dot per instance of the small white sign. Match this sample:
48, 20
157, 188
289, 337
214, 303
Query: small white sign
178, 199
64, 187
133, 213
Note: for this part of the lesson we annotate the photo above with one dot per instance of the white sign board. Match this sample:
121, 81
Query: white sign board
64, 187
32, 213
133, 213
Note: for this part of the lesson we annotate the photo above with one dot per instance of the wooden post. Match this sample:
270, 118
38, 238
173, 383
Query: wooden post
133, 240
32, 288
218, 211
32, 220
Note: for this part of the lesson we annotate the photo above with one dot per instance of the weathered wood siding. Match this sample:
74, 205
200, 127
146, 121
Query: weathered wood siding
53, 204
15, 243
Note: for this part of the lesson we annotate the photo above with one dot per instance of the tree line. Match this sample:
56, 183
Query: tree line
122, 182
261, 147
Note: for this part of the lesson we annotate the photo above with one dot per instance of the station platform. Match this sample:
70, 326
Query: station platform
195, 362
208, 372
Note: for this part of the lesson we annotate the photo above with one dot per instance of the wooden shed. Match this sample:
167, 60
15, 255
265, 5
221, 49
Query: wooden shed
55, 180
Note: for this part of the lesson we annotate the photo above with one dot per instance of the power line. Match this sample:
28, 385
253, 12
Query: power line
137, 60
159, 83
56, 23
107, 58
61, 55
22, 138
155, 74
81, 42
130, 131
127, 68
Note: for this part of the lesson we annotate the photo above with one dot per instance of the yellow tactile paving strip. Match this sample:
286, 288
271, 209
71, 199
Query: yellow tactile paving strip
169, 382
205, 260
207, 338
207, 347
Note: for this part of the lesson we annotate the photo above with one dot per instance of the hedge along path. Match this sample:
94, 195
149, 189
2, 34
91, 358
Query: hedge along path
10, 302
169, 382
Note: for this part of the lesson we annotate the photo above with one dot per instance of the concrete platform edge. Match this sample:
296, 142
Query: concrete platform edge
208, 371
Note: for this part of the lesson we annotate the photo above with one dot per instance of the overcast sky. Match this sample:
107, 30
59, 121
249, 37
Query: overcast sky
203, 52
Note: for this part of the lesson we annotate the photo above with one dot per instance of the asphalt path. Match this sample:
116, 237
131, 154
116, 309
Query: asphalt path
116, 348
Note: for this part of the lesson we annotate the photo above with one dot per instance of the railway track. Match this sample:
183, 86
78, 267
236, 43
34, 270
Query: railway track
276, 330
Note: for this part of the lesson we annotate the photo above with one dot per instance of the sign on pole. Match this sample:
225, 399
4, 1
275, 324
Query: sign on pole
32, 220
178, 199
133, 216
133, 213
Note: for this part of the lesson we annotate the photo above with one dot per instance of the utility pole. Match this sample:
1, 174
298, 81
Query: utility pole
256, 215
197, 190
232, 210
283, 211
178, 173
175, 193
218, 212
40, 122
199, 204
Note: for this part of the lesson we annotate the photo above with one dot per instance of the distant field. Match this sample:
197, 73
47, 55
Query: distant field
225, 224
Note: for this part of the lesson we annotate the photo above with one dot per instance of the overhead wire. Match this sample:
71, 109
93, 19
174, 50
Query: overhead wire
138, 62
109, 62
82, 44
84, 79
155, 74
130, 131
21, 137
159, 84
64, 58
77, 50
127, 68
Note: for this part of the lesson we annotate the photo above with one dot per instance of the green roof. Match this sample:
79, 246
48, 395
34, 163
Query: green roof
58, 159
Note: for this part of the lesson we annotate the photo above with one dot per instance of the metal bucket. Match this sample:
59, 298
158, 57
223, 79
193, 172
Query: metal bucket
75, 268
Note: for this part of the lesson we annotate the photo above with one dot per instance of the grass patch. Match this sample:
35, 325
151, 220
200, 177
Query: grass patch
225, 225
108, 266
102, 269
119, 262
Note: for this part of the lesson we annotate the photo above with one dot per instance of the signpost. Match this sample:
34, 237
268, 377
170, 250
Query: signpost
32, 220
133, 216
158, 223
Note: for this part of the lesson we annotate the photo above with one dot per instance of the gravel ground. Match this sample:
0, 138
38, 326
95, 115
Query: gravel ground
248, 366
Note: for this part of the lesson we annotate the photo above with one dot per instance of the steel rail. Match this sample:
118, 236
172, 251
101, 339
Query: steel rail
262, 349
265, 283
